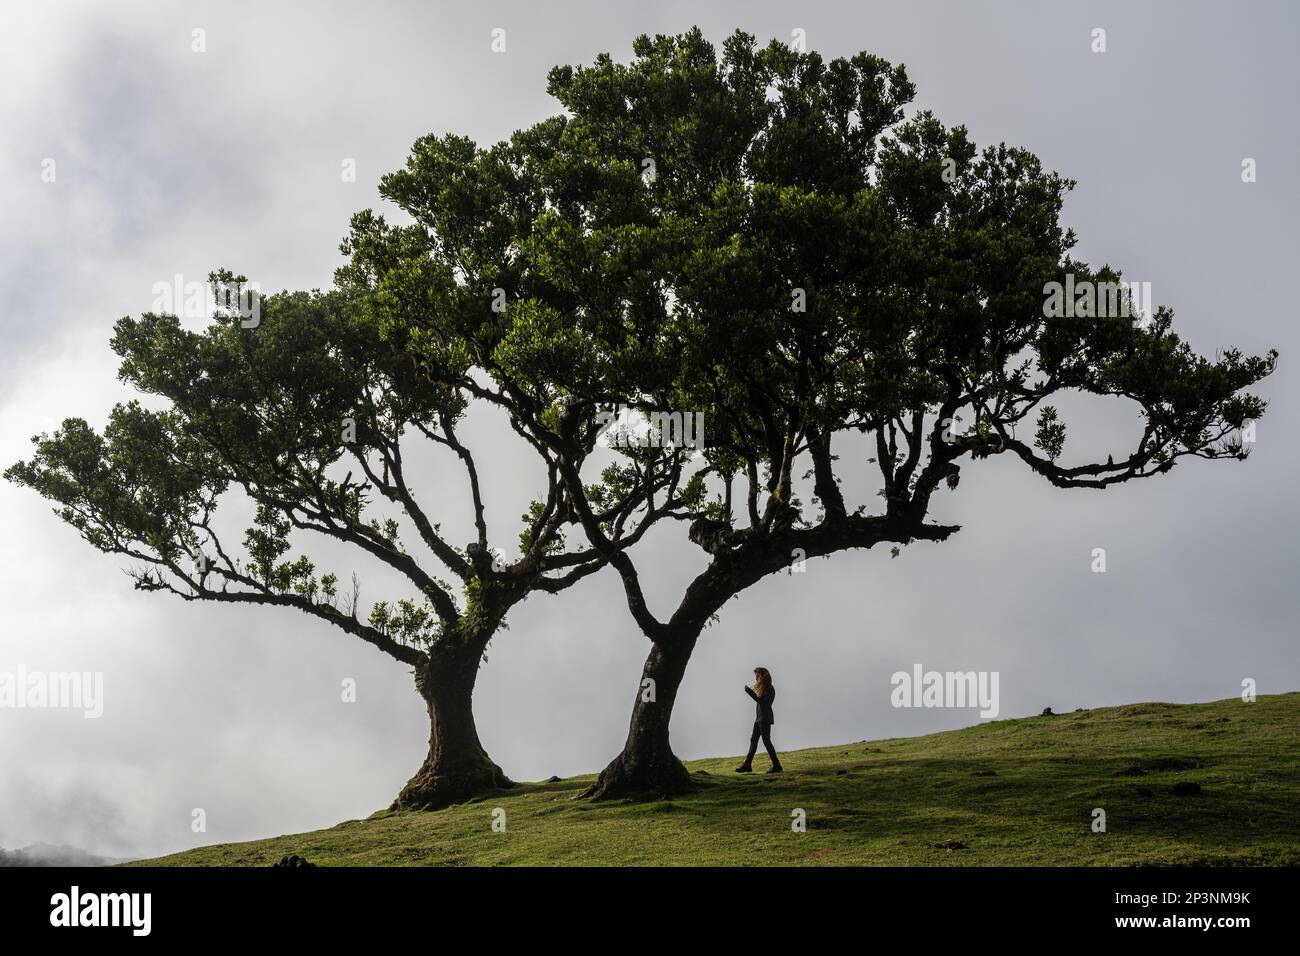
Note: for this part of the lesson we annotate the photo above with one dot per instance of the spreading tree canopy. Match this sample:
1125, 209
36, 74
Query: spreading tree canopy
766, 237
309, 419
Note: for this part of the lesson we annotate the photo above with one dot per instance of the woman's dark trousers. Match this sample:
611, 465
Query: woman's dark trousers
765, 731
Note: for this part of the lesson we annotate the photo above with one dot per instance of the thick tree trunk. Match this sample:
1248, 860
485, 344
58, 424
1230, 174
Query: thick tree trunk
457, 767
647, 763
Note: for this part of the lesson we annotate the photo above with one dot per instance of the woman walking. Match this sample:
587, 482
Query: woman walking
763, 693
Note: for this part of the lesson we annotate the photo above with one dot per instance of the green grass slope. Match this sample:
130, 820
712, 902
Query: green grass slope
1013, 792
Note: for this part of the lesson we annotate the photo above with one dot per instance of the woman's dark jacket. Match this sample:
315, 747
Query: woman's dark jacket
763, 705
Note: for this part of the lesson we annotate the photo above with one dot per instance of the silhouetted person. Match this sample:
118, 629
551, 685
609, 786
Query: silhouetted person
763, 693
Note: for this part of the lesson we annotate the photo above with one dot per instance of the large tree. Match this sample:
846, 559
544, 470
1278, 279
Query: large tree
304, 420
765, 237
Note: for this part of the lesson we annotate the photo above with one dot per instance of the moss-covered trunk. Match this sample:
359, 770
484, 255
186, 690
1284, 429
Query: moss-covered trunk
647, 763
456, 767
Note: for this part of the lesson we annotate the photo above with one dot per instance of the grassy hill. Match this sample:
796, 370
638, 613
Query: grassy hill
1014, 792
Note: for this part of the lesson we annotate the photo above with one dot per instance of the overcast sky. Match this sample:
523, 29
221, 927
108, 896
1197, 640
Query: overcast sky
171, 161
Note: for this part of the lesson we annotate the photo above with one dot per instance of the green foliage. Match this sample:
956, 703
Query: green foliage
144, 481
1051, 433
528, 537
408, 623
806, 259
271, 411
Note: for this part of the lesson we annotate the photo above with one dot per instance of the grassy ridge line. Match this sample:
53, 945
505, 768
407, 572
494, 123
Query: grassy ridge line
1014, 792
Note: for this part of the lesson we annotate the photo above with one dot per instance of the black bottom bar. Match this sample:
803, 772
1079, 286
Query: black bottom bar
333, 905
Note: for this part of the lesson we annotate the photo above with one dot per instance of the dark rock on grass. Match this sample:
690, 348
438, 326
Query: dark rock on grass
292, 860
986, 773
950, 845
1186, 789
840, 773
552, 779
1047, 712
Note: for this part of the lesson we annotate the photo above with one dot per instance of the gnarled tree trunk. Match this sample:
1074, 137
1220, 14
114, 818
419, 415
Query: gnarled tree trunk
457, 767
647, 763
